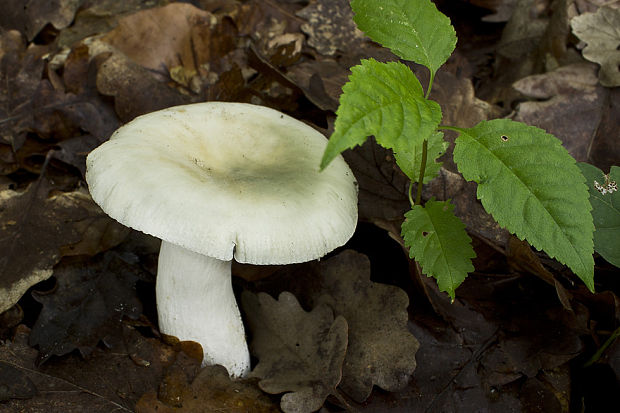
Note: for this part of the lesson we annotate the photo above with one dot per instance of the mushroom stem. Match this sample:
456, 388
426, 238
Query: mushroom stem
195, 301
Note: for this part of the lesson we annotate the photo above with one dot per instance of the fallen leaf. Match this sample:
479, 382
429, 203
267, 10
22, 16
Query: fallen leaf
330, 26
31, 16
382, 186
524, 29
212, 390
601, 32
21, 69
502, 9
321, 81
377, 318
86, 306
491, 350
136, 91
108, 380
569, 92
299, 353
14, 384
519, 255
35, 226
459, 104
605, 150
178, 35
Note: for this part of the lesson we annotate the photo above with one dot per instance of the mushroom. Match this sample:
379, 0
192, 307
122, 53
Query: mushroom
217, 181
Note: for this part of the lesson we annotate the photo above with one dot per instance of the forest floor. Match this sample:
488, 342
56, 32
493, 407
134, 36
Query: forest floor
78, 322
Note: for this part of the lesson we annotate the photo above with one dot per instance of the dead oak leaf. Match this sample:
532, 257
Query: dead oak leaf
601, 32
31, 16
86, 306
299, 352
107, 381
569, 92
377, 318
211, 390
136, 91
34, 228
178, 35
21, 69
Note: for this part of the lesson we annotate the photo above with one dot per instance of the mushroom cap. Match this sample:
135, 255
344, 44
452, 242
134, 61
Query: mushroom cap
226, 180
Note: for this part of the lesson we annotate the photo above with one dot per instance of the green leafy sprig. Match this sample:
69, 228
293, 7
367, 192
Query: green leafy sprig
526, 179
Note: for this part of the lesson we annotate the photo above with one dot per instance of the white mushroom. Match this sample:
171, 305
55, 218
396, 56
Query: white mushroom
217, 181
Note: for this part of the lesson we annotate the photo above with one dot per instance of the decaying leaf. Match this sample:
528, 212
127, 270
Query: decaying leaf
20, 73
211, 390
136, 91
524, 29
108, 380
299, 352
458, 101
569, 92
35, 226
377, 318
14, 384
330, 26
601, 32
86, 306
383, 187
178, 35
519, 255
30, 17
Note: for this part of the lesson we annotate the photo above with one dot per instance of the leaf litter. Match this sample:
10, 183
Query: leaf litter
512, 341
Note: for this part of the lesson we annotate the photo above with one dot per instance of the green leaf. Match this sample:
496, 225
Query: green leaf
413, 29
605, 210
385, 100
532, 187
410, 160
438, 241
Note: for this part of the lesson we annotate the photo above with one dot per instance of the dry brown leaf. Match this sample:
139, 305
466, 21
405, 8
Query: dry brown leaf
176, 35
211, 390
330, 26
30, 16
569, 92
21, 69
381, 349
108, 380
601, 32
87, 305
299, 353
35, 226
525, 28
135, 90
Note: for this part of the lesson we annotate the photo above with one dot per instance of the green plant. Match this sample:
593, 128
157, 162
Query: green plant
526, 180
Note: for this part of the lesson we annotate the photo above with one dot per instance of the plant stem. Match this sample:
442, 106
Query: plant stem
410, 196
601, 350
418, 195
430, 85
450, 128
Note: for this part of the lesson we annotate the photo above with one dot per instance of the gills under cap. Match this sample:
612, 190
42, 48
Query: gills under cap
226, 180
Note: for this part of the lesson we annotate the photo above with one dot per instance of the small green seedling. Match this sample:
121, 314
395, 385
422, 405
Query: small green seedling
526, 180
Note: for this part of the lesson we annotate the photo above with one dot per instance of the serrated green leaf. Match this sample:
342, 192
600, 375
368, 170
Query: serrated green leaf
413, 29
605, 210
438, 241
410, 160
532, 187
385, 100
